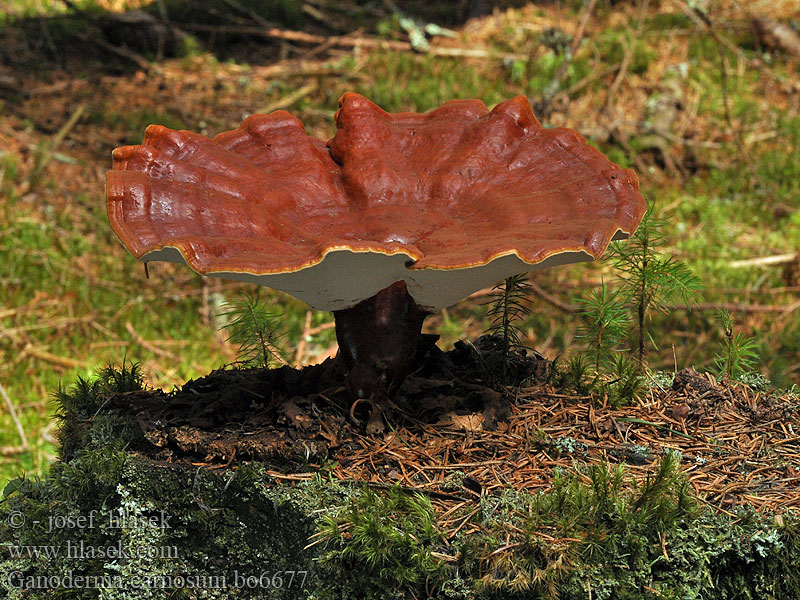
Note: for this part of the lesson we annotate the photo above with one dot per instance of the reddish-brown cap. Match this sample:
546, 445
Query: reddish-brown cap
449, 201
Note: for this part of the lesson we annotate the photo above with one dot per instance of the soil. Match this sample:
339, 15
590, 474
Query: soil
451, 434
286, 413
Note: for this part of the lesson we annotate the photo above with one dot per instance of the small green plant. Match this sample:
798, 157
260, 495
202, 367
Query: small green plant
391, 535
506, 309
649, 279
81, 403
627, 381
253, 328
615, 522
605, 324
85, 397
574, 375
739, 353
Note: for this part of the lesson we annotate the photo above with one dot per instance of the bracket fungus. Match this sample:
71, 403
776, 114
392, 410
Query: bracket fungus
397, 216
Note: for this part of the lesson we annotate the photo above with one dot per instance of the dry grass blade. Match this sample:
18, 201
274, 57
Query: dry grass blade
13, 412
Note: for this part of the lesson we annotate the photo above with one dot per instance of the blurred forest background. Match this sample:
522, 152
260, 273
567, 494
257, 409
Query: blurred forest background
701, 98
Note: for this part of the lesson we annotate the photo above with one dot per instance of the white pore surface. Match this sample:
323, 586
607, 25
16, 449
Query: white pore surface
344, 278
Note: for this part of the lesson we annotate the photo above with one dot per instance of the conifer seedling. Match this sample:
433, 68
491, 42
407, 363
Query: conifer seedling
649, 279
254, 329
605, 324
739, 352
507, 311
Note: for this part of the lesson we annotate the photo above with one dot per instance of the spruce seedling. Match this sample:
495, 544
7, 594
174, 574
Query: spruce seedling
649, 279
605, 324
507, 311
739, 353
627, 381
253, 328
573, 375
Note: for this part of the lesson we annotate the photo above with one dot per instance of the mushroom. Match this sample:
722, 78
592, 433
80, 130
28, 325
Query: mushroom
397, 216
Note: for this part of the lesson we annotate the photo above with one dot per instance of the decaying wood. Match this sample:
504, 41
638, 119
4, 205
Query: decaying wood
777, 36
775, 259
738, 446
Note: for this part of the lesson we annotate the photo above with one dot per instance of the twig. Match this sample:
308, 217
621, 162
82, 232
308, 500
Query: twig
576, 41
301, 345
316, 50
47, 154
729, 306
765, 260
321, 328
247, 11
62, 361
690, 142
544, 295
140, 61
24, 447
705, 21
738, 307
593, 76
464, 521
149, 346
569, 308
656, 425
623, 71
555, 83
350, 41
289, 99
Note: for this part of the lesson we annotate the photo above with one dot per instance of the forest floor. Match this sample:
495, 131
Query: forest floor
450, 433
704, 105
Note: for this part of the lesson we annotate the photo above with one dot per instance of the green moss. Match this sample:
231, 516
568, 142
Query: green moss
390, 535
612, 46
83, 426
420, 83
592, 530
604, 534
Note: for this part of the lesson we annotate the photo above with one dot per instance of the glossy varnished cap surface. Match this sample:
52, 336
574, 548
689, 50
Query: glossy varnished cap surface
449, 201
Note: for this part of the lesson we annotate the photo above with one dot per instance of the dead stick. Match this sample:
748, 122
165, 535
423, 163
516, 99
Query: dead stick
321, 328
576, 41
301, 345
140, 61
61, 361
765, 260
47, 155
739, 307
705, 21
14, 418
246, 10
594, 76
289, 99
347, 41
569, 308
623, 71
547, 297
729, 306
147, 345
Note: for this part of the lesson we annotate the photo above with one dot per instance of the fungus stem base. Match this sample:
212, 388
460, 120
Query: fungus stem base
378, 339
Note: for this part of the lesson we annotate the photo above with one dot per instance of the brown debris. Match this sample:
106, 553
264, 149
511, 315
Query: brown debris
455, 439
777, 36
